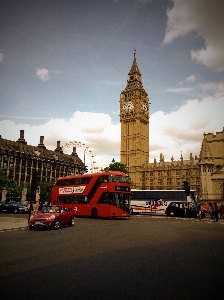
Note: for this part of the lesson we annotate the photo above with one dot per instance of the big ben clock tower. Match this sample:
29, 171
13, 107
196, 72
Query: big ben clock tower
134, 118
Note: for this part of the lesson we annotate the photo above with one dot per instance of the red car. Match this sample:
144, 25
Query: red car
51, 216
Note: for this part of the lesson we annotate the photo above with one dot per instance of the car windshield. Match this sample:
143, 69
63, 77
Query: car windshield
50, 209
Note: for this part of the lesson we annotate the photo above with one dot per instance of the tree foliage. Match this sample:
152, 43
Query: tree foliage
45, 191
116, 166
13, 190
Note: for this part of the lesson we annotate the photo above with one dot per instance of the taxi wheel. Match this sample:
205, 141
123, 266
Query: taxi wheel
72, 221
57, 224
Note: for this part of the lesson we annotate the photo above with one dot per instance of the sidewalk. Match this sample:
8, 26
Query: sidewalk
11, 223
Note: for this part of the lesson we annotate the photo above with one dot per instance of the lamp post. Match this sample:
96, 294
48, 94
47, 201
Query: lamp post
32, 193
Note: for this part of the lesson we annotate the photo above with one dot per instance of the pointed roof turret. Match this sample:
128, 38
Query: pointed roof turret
134, 81
134, 68
205, 149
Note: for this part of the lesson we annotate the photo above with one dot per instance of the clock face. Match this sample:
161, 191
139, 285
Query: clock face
145, 107
128, 106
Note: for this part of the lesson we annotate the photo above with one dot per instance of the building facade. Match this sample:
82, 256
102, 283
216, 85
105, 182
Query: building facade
134, 118
164, 175
19, 160
211, 163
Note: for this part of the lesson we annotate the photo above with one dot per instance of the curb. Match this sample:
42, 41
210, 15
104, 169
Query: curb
14, 228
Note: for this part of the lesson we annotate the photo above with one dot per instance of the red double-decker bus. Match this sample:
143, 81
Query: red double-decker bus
104, 194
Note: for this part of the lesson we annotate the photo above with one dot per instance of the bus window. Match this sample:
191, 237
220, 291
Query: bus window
117, 199
85, 180
103, 178
118, 178
104, 199
75, 181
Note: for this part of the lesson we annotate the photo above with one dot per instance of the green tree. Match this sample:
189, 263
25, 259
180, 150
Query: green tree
45, 191
117, 166
13, 190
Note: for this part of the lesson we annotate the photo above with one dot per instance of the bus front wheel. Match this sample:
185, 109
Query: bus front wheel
94, 213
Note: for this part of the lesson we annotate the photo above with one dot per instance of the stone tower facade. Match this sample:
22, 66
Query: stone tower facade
134, 119
211, 164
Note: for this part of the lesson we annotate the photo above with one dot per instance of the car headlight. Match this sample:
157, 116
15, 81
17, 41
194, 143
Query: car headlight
31, 218
52, 217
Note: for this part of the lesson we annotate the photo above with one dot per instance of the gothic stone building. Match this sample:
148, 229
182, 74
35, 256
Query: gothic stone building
171, 175
19, 160
134, 118
211, 164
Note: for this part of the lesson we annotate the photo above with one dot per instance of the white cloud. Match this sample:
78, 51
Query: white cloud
95, 130
215, 88
206, 19
191, 79
43, 74
1, 58
178, 90
180, 130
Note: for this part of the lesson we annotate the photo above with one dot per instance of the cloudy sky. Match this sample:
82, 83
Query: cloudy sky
64, 63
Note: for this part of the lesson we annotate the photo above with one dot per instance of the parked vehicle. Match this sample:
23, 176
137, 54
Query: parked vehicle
176, 209
52, 216
13, 207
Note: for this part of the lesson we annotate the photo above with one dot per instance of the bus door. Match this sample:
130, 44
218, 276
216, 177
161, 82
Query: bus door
111, 204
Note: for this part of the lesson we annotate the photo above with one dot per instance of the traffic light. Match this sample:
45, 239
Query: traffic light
186, 188
35, 181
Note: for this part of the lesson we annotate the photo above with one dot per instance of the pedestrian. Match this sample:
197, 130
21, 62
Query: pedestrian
199, 211
210, 210
187, 207
216, 212
40, 206
195, 210
221, 211
35, 208
206, 210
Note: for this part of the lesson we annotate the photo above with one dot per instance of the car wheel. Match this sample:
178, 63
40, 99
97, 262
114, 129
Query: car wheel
57, 224
15, 211
72, 221
31, 228
171, 214
94, 213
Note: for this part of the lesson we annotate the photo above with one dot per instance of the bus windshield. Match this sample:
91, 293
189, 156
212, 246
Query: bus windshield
118, 178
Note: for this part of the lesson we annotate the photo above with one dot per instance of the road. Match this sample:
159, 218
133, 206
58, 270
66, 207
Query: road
140, 258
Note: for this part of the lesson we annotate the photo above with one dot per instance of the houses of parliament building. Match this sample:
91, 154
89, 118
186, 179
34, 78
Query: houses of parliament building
204, 174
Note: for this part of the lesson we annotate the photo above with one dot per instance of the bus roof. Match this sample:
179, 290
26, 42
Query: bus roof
94, 174
134, 190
